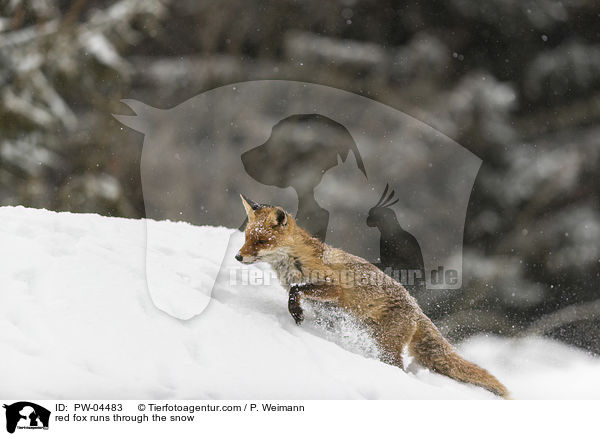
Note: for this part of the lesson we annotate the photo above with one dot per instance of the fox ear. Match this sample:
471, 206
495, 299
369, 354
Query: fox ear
248, 207
280, 217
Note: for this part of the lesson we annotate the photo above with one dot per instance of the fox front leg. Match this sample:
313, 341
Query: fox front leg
314, 291
294, 304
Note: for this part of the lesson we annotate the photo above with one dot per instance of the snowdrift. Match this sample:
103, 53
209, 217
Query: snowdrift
76, 321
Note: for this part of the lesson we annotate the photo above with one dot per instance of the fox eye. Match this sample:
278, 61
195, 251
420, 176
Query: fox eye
262, 241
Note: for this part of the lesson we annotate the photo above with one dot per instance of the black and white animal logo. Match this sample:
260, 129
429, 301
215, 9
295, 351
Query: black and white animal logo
26, 415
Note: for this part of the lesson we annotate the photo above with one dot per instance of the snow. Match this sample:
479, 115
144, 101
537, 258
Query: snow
77, 321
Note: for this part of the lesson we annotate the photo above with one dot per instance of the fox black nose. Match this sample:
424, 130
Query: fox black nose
239, 257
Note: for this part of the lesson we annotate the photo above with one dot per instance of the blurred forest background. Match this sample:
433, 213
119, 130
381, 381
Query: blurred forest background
516, 82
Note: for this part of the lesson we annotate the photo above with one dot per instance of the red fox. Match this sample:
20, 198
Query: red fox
312, 270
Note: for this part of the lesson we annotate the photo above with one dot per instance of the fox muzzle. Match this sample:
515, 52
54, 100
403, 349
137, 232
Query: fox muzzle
245, 259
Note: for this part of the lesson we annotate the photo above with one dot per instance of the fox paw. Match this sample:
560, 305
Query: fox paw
297, 314
295, 310
294, 306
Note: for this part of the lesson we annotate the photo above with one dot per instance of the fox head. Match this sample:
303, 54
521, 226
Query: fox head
268, 232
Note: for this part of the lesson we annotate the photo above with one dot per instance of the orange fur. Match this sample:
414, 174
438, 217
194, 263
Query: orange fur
313, 270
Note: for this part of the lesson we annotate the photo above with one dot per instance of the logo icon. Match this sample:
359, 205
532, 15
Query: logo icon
26, 415
357, 174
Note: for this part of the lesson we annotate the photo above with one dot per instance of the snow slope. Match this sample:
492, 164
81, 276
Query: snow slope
76, 321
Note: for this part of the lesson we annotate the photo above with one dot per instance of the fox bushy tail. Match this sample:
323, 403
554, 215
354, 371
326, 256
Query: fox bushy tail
431, 350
